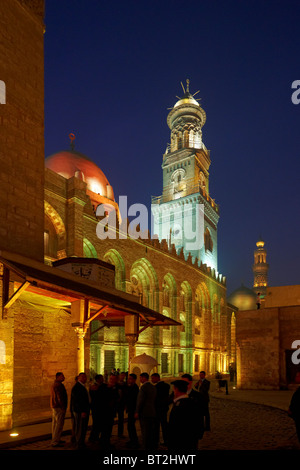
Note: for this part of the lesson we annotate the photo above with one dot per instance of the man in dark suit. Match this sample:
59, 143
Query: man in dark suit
97, 396
131, 394
294, 408
203, 386
182, 426
198, 400
80, 408
146, 412
161, 405
111, 398
121, 385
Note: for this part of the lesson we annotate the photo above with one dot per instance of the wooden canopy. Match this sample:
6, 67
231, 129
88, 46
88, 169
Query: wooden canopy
107, 304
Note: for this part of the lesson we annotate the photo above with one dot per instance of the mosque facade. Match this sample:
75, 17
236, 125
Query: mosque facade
158, 268
53, 319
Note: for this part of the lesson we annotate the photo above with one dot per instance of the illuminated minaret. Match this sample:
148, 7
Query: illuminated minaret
185, 168
260, 269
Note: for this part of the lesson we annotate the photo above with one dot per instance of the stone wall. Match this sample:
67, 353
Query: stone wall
282, 296
6, 362
264, 340
289, 332
45, 343
257, 335
22, 128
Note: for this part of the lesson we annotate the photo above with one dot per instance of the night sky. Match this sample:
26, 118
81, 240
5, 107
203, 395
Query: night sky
112, 70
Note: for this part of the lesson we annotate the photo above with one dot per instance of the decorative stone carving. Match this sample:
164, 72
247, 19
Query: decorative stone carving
94, 270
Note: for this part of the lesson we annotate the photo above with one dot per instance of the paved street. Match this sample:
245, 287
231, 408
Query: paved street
248, 426
235, 425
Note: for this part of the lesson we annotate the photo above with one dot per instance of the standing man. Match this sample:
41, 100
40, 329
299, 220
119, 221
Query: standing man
110, 400
80, 407
121, 403
294, 408
146, 412
132, 391
73, 441
182, 426
162, 405
58, 403
258, 301
198, 400
203, 386
97, 391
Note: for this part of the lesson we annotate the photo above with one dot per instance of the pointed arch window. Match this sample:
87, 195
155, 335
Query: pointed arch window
50, 239
166, 295
198, 305
89, 250
197, 326
186, 138
166, 313
208, 243
182, 320
182, 301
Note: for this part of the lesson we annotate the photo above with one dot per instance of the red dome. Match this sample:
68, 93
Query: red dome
69, 163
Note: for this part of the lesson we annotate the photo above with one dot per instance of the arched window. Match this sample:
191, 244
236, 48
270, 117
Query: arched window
89, 250
182, 320
208, 243
197, 326
50, 239
136, 288
54, 233
186, 138
198, 305
179, 141
216, 310
166, 295
182, 301
202, 181
166, 314
114, 257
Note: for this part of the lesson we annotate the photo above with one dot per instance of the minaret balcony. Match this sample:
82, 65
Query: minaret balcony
189, 190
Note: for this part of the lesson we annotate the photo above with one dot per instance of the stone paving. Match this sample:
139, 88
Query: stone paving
248, 426
235, 425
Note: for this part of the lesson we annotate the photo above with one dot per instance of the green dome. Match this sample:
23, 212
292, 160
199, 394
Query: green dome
243, 298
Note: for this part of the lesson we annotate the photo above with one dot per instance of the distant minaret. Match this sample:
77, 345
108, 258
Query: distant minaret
260, 269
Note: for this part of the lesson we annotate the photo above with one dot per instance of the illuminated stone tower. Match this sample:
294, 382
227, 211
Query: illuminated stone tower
260, 269
22, 127
185, 215
21, 174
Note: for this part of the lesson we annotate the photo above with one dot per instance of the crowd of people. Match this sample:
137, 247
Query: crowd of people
180, 414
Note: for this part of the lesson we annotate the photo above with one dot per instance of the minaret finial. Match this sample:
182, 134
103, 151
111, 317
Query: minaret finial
72, 138
187, 85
